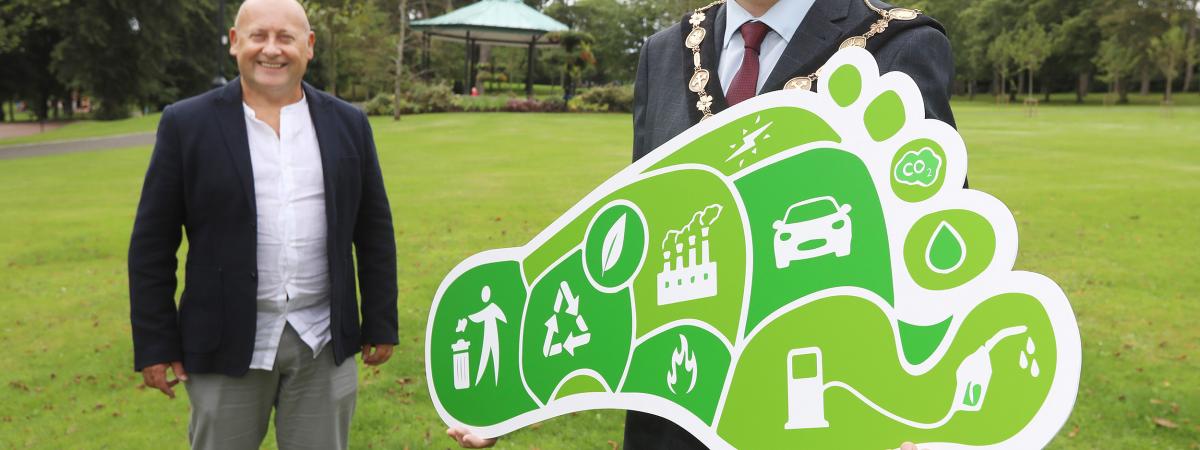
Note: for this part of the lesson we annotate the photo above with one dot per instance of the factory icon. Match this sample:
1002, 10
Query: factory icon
688, 269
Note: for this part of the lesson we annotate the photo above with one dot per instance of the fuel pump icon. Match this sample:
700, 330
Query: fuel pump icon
805, 389
975, 372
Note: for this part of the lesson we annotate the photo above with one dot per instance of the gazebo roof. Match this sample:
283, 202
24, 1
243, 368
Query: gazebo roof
491, 21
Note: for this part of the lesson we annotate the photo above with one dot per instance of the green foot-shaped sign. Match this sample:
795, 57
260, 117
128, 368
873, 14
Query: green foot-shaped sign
804, 267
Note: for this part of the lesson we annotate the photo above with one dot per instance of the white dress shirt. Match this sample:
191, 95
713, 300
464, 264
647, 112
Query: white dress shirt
783, 18
293, 271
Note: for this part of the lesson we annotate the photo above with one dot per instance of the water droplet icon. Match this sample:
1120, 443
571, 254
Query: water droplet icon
946, 250
1024, 361
1034, 370
1029, 345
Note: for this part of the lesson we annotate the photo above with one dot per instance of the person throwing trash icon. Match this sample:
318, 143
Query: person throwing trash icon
491, 339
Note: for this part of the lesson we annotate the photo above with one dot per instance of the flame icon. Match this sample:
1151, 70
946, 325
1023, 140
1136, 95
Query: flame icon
681, 356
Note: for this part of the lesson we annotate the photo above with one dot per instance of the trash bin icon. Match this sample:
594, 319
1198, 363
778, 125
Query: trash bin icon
462, 364
806, 390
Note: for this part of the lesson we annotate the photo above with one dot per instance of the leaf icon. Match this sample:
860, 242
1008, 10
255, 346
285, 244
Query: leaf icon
614, 242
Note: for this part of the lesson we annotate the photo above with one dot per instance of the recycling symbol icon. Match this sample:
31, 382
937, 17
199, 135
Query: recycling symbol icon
572, 341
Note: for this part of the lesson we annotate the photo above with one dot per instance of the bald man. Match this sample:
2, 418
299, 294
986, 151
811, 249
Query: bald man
277, 186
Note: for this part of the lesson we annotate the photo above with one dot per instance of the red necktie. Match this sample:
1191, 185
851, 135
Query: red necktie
745, 83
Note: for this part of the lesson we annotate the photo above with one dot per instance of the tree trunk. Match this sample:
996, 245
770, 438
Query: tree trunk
1167, 92
400, 59
333, 57
1030, 72
1188, 74
1145, 82
1122, 92
1012, 97
1081, 89
1189, 70
971, 89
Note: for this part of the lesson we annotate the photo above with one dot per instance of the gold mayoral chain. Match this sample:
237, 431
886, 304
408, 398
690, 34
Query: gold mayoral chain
700, 75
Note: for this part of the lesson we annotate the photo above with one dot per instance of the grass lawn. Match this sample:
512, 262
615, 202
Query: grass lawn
89, 129
1106, 201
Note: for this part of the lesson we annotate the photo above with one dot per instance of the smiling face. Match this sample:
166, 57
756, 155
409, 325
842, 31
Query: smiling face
272, 43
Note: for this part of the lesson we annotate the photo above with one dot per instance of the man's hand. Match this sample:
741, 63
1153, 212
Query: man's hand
155, 376
376, 354
468, 440
908, 446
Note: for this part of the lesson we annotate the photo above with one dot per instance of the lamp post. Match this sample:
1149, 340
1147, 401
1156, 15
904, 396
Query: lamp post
220, 80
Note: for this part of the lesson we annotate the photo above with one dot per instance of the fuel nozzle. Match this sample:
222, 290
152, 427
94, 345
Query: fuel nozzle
976, 371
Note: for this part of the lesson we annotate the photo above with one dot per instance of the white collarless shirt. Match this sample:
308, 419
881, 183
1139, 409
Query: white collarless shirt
293, 269
783, 18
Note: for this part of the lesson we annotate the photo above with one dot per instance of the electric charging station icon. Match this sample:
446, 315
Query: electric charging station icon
806, 389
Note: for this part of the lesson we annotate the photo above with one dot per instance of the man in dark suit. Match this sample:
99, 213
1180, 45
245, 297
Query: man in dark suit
790, 38
277, 186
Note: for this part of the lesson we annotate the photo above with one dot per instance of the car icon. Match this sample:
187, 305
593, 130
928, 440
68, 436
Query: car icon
811, 228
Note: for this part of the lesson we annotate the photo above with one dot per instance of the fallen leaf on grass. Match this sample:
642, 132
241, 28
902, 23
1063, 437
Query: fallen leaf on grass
613, 444
1165, 423
1155, 401
1074, 432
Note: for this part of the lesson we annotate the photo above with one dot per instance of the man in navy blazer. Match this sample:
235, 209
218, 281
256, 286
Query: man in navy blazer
268, 314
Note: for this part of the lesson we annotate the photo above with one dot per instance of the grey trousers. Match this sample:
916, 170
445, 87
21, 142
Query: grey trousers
313, 401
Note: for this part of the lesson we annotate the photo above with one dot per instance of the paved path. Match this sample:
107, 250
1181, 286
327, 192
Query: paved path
17, 129
81, 145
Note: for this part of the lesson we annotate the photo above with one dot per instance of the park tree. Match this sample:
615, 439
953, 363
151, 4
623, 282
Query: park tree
970, 59
576, 55
330, 19
398, 86
1029, 48
1116, 61
1168, 52
986, 42
1191, 20
120, 51
1076, 41
1002, 55
619, 27
1074, 36
27, 42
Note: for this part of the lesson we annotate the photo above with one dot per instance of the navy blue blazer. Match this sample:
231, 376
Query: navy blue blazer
200, 182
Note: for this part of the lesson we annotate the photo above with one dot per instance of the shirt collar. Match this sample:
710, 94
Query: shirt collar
783, 18
301, 105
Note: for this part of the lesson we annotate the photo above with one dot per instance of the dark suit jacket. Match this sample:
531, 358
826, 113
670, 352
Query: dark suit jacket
664, 107
200, 181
